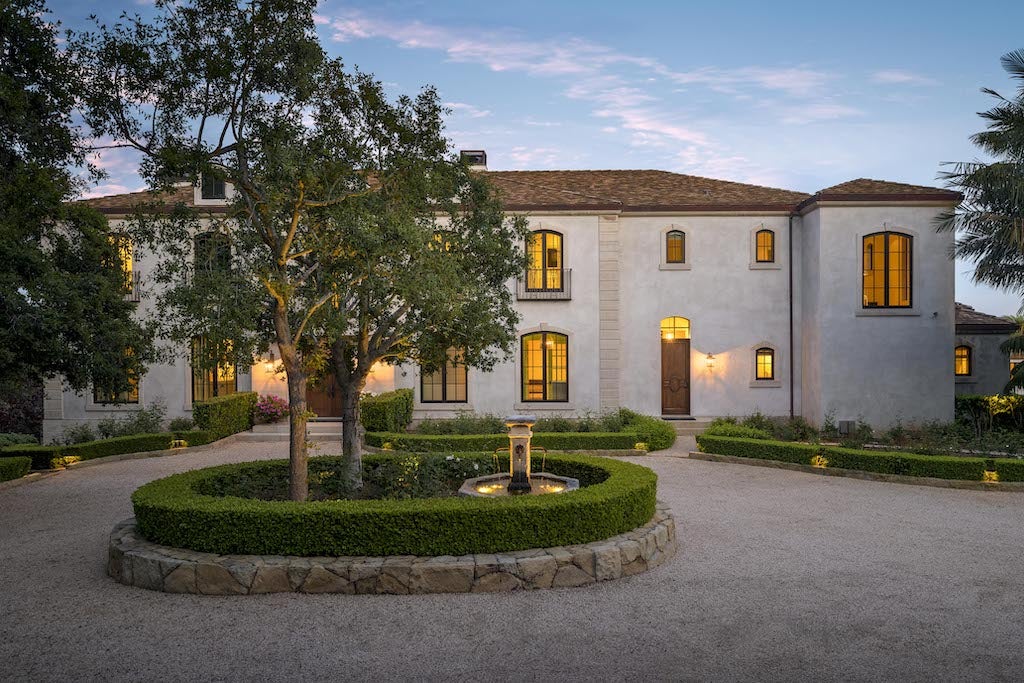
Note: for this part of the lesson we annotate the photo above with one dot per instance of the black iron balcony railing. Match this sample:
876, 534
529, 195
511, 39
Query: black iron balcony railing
132, 289
545, 284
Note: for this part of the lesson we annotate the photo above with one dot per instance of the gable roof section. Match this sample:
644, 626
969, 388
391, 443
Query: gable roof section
634, 190
870, 190
970, 321
121, 204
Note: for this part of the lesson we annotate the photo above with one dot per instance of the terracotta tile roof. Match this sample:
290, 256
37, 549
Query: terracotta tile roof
637, 190
117, 204
969, 320
868, 189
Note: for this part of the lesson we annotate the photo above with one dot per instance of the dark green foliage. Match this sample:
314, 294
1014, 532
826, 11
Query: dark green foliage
559, 441
464, 423
59, 455
195, 437
171, 512
21, 407
17, 440
799, 453
148, 420
387, 412
78, 433
984, 413
14, 468
653, 431
181, 424
225, 415
736, 430
1009, 469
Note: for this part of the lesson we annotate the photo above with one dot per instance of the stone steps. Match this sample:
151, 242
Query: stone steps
278, 432
690, 427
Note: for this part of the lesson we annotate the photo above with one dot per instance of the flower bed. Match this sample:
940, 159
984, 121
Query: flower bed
179, 511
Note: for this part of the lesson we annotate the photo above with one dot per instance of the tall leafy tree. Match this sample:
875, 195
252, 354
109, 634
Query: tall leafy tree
62, 291
319, 160
990, 221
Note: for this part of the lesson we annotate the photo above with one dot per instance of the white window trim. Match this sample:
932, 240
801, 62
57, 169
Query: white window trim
767, 265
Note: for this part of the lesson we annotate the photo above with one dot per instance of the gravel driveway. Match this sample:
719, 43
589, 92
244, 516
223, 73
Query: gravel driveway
780, 575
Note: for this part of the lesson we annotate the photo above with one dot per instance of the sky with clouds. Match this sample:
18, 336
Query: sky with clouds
800, 95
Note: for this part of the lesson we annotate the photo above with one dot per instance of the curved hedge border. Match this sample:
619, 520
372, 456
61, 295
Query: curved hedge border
54, 456
14, 468
556, 441
882, 462
170, 512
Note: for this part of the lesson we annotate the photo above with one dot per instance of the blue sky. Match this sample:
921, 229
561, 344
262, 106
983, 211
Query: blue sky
800, 95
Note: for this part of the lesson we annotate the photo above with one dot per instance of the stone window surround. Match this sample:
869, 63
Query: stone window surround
663, 263
764, 265
542, 406
915, 258
756, 383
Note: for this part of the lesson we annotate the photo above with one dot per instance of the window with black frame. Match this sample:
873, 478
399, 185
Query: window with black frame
447, 383
208, 382
887, 275
213, 187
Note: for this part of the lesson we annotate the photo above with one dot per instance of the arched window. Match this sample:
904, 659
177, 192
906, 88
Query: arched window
212, 252
675, 327
675, 246
544, 248
446, 384
962, 361
887, 270
765, 243
545, 367
764, 359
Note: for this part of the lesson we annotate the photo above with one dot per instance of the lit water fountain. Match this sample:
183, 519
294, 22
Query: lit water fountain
519, 479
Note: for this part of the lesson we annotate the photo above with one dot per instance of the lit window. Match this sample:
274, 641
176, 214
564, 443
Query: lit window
544, 249
207, 383
128, 395
887, 270
675, 328
765, 246
675, 246
447, 384
213, 188
125, 253
545, 367
765, 358
962, 361
212, 252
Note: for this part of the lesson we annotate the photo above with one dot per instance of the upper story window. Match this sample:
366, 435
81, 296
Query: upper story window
212, 252
207, 383
962, 361
764, 359
675, 246
765, 246
544, 249
447, 384
887, 270
545, 367
126, 255
213, 188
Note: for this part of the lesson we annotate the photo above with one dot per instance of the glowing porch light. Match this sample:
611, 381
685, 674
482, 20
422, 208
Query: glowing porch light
710, 361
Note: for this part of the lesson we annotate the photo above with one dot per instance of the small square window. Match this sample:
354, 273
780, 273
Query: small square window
213, 188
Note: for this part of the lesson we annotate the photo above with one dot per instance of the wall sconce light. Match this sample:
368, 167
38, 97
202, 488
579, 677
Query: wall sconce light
269, 364
710, 361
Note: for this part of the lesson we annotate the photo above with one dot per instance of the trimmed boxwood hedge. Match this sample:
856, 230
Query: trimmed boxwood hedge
387, 412
226, 415
169, 511
556, 441
910, 464
14, 468
653, 431
54, 456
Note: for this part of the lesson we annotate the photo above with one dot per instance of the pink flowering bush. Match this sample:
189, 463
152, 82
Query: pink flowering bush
270, 408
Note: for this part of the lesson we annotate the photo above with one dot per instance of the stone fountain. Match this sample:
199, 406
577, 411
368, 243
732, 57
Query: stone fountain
519, 479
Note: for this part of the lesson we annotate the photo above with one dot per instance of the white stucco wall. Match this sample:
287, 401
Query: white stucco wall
881, 365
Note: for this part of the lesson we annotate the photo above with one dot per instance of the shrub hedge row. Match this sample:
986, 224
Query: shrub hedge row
653, 431
556, 441
387, 412
14, 468
170, 512
226, 415
59, 455
911, 464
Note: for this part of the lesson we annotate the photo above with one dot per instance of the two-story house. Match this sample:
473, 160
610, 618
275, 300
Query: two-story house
672, 295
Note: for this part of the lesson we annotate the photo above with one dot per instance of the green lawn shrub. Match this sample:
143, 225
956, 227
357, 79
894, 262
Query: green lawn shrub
653, 431
194, 437
390, 411
173, 512
17, 440
60, 455
560, 441
736, 431
225, 415
463, 423
1009, 469
14, 468
799, 453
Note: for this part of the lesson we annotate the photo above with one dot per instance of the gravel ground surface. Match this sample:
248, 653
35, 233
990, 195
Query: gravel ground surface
780, 575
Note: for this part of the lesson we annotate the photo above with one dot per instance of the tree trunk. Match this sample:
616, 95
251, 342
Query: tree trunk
351, 442
298, 467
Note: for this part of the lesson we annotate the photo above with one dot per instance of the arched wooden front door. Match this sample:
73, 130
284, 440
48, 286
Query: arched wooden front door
675, 366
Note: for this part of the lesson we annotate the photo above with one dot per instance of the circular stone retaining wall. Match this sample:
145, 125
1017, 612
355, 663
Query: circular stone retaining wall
135, 561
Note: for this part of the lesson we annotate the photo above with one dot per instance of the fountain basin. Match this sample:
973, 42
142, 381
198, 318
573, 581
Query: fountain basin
496, 485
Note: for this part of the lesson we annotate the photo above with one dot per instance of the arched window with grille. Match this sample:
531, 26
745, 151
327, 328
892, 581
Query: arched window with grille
675, 246
764, 246
764, 363
545, 367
